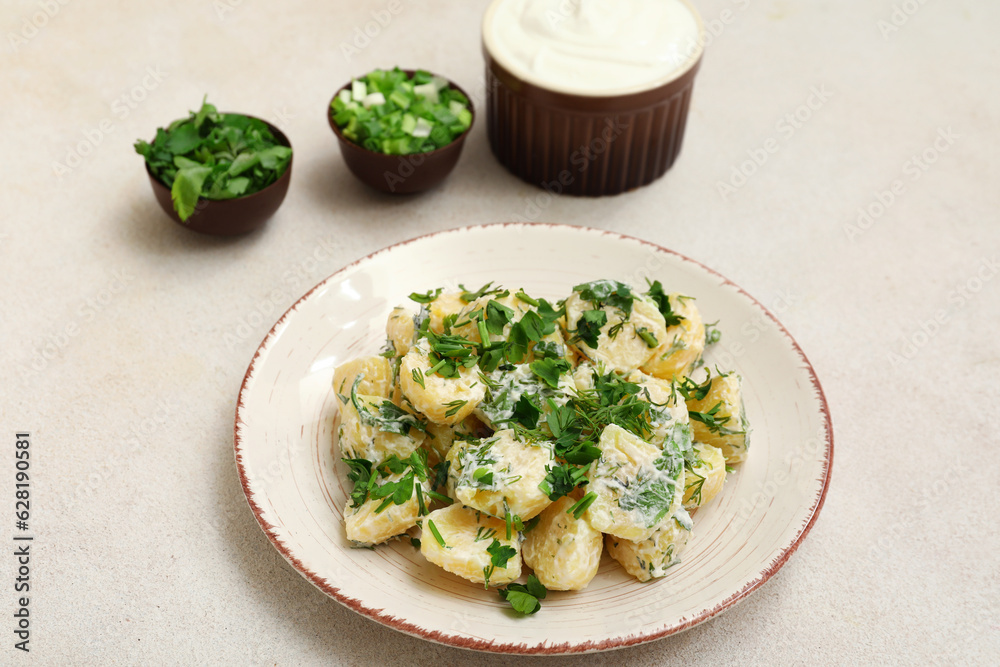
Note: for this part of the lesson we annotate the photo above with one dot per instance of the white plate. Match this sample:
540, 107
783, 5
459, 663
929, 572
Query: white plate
297, 491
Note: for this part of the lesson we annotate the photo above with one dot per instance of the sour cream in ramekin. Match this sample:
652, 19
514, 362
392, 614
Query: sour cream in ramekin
594, 47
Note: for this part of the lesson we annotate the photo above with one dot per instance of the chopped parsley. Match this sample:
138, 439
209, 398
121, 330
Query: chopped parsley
388, 417
608, 292
524, 598
527, 411
428, 297
487, 289
712, 333
212, 155
499, 555
588, 327
662, 301
715, 422
562, 479
411, 473
550, 369
692, 391
498, 316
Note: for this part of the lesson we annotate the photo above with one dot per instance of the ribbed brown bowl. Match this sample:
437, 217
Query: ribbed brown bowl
401, 174
230, 217
583, 144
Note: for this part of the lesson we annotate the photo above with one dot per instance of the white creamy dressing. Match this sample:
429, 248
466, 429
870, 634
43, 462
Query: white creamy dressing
593, 47
514, 384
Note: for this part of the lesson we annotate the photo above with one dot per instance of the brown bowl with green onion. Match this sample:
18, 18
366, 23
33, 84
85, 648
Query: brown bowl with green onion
401, 131
216, 173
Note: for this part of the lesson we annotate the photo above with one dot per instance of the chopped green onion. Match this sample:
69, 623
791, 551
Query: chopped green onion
374, 99
580, 506
437, 535
358, 90
388, 112
422, 128
428, 91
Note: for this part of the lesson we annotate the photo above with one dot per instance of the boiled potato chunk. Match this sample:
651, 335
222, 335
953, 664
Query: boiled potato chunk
583, 376
650, 558
704, 480
627, 350
359, 439
438, 441
375, 373
367, 527
400, 330
638, 487
682, 345
500, 474
564, 552
441, 400
467, 534
449, 303
729, 430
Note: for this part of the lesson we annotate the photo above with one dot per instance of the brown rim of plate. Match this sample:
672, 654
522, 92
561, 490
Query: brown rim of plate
620, 100
409, 73
521, 649
278, 134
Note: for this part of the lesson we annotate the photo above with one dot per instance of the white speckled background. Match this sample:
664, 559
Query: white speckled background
125, 337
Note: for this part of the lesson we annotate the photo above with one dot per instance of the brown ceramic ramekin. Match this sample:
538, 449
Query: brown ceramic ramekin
589, 145
230, 217
400, 174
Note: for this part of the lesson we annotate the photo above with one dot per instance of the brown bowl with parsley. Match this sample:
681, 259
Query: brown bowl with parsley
216, 173
401, 131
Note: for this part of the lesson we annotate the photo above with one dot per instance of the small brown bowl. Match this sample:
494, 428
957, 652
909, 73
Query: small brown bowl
401, 174
230, 217
589, 145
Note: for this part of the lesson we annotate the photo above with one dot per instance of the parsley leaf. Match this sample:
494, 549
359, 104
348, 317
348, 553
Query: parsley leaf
548, 349
663, 304
361, 474
186, 189
588, 327
607, 292
469, 297
550, 369
524, 598
500, 553
691, 390
428, 297
497, 317
535, 327
527, 411
561, 480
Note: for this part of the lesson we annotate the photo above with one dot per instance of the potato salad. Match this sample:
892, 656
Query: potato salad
504, 435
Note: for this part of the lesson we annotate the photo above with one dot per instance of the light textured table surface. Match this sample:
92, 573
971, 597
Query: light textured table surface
125, 337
